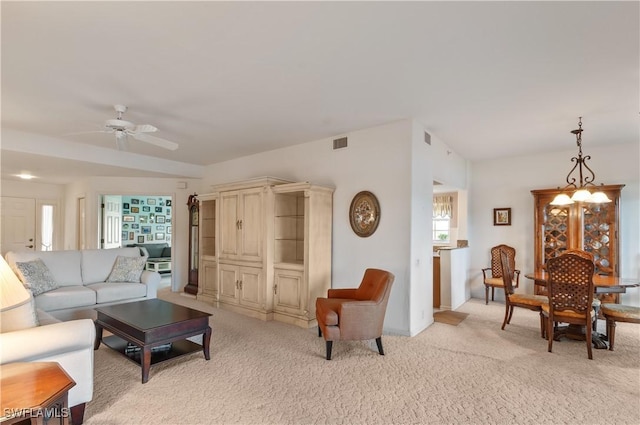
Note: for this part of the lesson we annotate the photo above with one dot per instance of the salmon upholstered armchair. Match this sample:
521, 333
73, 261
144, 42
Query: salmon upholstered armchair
355, 313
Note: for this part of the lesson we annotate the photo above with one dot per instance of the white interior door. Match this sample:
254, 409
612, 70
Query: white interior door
111, 221
18, 224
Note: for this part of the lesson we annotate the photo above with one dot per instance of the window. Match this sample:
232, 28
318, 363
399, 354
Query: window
442, 212
441, 229
46, 228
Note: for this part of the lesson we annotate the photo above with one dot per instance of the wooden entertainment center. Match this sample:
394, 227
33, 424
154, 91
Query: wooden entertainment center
265, 248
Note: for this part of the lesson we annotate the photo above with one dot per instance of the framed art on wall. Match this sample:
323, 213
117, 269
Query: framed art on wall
364, 214
502, 216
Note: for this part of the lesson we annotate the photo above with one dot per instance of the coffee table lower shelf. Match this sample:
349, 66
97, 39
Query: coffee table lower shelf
178, 349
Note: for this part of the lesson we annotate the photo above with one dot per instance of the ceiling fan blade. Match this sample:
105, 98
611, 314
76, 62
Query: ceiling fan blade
155, 141
88, 132
121, 141
144, 128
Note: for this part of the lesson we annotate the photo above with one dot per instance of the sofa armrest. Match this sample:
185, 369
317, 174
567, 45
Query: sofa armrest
32, 344
152, 280
68, 343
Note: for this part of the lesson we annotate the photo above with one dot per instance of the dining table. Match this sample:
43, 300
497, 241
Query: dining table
602, 284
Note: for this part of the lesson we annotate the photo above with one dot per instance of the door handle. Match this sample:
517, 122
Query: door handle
29, 246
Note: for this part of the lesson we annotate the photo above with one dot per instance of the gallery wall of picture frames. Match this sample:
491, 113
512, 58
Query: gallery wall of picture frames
146, 219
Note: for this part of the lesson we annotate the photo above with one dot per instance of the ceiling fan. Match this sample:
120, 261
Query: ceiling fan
123, 129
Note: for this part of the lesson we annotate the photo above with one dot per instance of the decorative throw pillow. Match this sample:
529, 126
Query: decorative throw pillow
35, 275
127, 269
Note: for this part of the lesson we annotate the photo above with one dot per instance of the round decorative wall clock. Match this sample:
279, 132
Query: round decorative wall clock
364, 214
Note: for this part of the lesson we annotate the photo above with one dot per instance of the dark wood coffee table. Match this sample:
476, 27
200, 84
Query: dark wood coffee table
159, 328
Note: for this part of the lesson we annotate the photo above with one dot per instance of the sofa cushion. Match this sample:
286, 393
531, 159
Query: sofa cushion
118, 291
66, 297
98, 263
22, 316
63, 265
35, 275
127, 269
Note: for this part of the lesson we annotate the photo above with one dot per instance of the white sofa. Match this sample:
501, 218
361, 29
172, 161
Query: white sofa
68, 343
81, 278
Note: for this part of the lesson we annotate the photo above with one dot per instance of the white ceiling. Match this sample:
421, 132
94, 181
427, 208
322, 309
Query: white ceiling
228, 79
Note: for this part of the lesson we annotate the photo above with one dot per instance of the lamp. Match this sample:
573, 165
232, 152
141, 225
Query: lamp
12, 293
582, 192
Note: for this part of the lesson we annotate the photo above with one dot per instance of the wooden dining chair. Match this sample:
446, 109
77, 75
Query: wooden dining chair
512, 300
492, 276
570, 286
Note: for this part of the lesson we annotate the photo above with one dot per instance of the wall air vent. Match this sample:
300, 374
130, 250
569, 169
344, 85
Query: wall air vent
340, 143
427, 138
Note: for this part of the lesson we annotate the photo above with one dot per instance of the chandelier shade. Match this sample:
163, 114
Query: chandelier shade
580, 187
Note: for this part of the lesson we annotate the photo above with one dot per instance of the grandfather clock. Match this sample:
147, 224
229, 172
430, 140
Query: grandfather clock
194, 212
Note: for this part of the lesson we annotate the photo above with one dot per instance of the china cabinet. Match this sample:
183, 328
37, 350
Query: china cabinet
587, 226
272, 258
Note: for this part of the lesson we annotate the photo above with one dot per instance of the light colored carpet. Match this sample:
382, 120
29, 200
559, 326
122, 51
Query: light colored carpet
473, 373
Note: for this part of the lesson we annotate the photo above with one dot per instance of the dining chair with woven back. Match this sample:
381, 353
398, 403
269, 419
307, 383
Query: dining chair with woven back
512, 300
492, 276
570, 286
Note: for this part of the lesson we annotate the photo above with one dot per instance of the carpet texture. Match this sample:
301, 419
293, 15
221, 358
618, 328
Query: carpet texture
473, 373
449, 317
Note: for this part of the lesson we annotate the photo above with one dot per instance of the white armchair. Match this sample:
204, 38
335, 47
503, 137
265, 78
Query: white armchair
27, 338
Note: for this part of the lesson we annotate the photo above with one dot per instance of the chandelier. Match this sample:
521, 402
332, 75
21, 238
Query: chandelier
586, 176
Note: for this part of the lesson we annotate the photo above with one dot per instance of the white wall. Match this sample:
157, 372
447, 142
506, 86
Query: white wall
394, 163
377, 160
508, 182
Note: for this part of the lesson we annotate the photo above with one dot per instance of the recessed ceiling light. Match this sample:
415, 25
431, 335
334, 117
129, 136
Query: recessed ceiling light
25, 176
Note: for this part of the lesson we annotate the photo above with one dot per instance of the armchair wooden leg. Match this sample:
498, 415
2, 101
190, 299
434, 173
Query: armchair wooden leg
329, 346
319, 332
379, 344
486, 294
77, 414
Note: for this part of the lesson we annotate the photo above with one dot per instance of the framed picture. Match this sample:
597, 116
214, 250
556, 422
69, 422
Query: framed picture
143, 219
168, 202
169, 229
146, 209
502, 216
135, 226
131, 235
158, 228
128, 218
159, 219
168, 211
135, 209
125, 235
135, 201
159, 236
125, 206
364, 214
146, 230
151, 201
158, 209
140, 239
149, 237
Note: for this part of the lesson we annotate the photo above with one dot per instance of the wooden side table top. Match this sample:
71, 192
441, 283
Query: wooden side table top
31, 386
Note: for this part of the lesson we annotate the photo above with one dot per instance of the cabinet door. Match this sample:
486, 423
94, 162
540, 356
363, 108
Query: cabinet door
229, 280
555, 232
251, 224
250, 286
229, 224
289, 296
209, 276
599, 230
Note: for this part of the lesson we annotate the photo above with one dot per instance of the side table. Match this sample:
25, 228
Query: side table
35, 391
